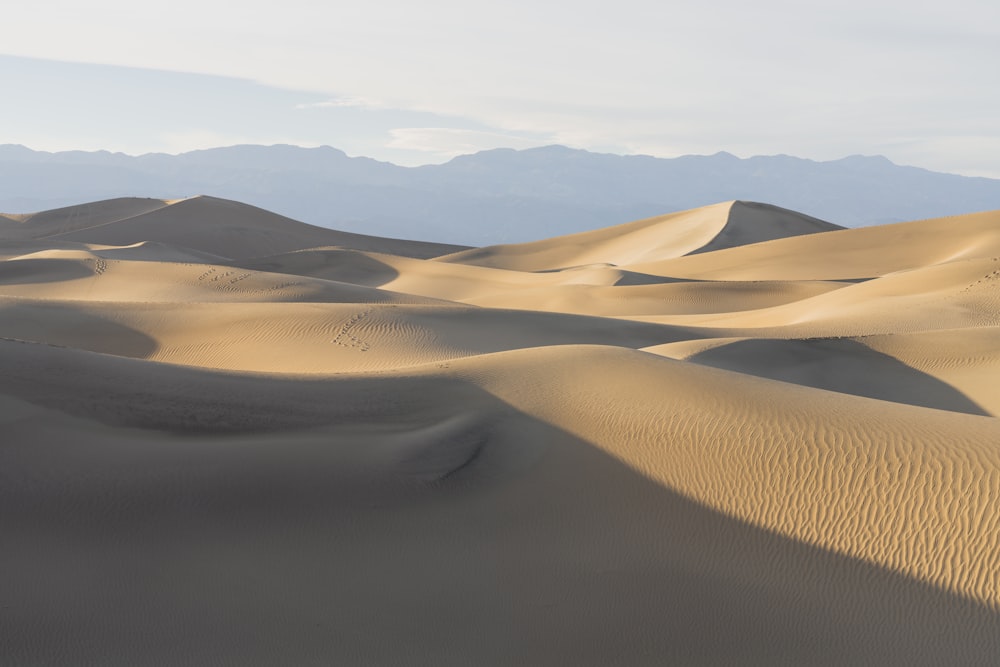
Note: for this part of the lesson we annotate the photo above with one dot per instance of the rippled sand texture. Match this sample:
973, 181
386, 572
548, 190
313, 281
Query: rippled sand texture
732, 435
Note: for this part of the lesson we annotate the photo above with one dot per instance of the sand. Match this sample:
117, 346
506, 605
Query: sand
732, 435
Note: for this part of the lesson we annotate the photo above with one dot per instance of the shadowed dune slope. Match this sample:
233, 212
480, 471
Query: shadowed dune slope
732, 435
48, 224
754, 222
209, 224
852, 366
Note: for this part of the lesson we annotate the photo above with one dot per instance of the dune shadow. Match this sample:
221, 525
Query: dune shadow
540, 549
67, 325
840, 365
42, 270
496, 329
634, 278
627, 279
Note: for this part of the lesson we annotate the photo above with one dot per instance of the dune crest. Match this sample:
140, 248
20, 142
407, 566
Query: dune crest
208, 224
696, 231
734, 434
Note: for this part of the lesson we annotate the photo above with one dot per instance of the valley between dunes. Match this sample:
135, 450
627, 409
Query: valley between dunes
730, 435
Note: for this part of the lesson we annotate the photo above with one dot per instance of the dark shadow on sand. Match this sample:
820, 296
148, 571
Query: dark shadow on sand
42, 270
67, 323
841, 365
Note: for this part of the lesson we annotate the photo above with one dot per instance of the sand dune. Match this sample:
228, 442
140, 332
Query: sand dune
455, 282
209, 224
675, 298
667, 236
849, 254
85, 275
956, 294
48, 224
364, 331
733, 435
952, 370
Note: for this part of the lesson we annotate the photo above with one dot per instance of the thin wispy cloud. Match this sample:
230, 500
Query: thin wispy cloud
344, 103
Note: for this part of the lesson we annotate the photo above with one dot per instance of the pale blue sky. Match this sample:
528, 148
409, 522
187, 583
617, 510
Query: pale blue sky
420, 82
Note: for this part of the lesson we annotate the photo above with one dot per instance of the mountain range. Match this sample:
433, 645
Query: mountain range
495, 196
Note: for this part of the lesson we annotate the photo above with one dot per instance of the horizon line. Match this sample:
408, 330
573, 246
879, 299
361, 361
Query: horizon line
720, 153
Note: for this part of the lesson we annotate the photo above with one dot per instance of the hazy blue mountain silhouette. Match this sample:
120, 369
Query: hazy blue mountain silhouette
493, 196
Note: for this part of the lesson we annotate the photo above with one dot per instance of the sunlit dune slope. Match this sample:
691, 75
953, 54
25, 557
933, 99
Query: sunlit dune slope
674, 298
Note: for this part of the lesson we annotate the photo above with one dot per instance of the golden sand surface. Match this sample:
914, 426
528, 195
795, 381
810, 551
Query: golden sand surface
731, 435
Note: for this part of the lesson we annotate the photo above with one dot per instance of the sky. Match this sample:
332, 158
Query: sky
420, 82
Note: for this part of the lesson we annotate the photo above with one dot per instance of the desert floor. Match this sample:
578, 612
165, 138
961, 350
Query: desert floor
731, 435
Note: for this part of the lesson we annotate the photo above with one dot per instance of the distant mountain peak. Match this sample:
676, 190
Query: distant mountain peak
859, 159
